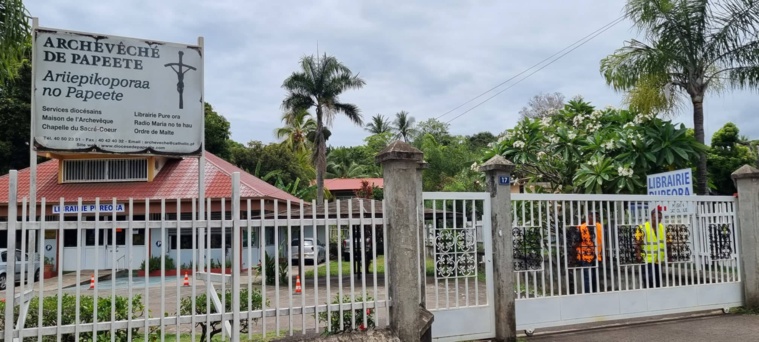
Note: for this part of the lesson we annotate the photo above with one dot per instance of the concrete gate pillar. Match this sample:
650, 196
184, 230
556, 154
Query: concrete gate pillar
498, 179
400, 163
746, 180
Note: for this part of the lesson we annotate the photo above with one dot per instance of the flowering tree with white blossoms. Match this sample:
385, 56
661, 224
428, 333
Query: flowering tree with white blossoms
581, 149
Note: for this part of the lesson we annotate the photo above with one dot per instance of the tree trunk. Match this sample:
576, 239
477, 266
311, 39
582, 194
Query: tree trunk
698, 128
320, 162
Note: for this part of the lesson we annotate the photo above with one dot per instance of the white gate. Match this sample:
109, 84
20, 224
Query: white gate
459, 265
564, 278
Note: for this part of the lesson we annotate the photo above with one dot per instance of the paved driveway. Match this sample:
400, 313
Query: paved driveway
734, 328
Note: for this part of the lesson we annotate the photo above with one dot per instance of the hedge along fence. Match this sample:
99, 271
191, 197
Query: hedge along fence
350, 320
69, 305
86, 308
215, 327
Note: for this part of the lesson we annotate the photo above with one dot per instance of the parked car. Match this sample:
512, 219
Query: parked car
315, 252
32, 269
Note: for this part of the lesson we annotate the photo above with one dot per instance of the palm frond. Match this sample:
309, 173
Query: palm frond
733, 19
404, 125
351, 111
379, 124
744, 77
623, 69
297, 101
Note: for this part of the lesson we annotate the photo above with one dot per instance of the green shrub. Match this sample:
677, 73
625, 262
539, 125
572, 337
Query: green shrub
334, 320
271, 270
254, 296
154, 264
86, 308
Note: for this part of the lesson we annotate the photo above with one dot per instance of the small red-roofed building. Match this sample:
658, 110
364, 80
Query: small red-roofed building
343, 188
85, 188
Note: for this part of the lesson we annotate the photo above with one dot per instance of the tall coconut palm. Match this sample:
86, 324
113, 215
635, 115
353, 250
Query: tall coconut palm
404, 125
319, 84
379, 124
693, 47
298, 124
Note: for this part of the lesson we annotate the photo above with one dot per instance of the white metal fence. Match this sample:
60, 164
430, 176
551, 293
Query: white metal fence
235, 275
570, 270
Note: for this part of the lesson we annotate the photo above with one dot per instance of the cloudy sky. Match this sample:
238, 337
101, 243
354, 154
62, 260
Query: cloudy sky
424, 57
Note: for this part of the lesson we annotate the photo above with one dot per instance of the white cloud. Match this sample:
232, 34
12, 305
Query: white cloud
423, 57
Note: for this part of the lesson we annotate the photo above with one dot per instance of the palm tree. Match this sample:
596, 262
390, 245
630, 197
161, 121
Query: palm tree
298, 125
346, 170
319, 85
404, 125
694, 46
15, 34
379, 124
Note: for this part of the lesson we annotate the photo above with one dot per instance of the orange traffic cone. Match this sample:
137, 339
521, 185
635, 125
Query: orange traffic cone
297, 284
186, 280
92, 282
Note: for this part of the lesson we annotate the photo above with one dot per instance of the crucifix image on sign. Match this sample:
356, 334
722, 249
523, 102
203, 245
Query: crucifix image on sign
179, 69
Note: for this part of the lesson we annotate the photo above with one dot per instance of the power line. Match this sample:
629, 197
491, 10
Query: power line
602, 29
597, 33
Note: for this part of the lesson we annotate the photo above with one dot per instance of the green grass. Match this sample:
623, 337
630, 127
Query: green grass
741, 310
346, 268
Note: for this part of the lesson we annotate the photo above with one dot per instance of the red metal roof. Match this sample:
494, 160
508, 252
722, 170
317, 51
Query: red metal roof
337, 184
177, 179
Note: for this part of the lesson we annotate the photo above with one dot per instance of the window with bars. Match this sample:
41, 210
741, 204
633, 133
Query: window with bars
99, 170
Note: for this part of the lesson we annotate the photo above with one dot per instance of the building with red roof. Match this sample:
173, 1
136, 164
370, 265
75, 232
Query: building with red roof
147, 188
347, 187
177, 178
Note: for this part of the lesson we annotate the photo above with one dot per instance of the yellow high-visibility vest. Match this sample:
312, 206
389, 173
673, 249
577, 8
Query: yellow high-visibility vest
654, 243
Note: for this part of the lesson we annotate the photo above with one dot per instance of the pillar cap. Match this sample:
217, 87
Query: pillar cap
399, 150
497, 163
745, 171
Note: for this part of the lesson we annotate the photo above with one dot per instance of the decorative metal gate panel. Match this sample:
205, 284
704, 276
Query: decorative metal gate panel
458, 265
587, 258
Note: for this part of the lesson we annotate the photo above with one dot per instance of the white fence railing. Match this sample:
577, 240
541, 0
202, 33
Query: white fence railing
553, 257
158, 269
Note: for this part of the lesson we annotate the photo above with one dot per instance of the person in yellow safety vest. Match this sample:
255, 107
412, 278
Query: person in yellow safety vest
652, 242
589, 250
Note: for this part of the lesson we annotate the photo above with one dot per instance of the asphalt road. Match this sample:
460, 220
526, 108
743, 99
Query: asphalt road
721, 327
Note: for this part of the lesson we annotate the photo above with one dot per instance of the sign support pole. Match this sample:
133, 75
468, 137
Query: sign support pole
202, 159
33, 158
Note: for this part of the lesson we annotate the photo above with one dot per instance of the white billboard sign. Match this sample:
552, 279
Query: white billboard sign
673, 183
96, 93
